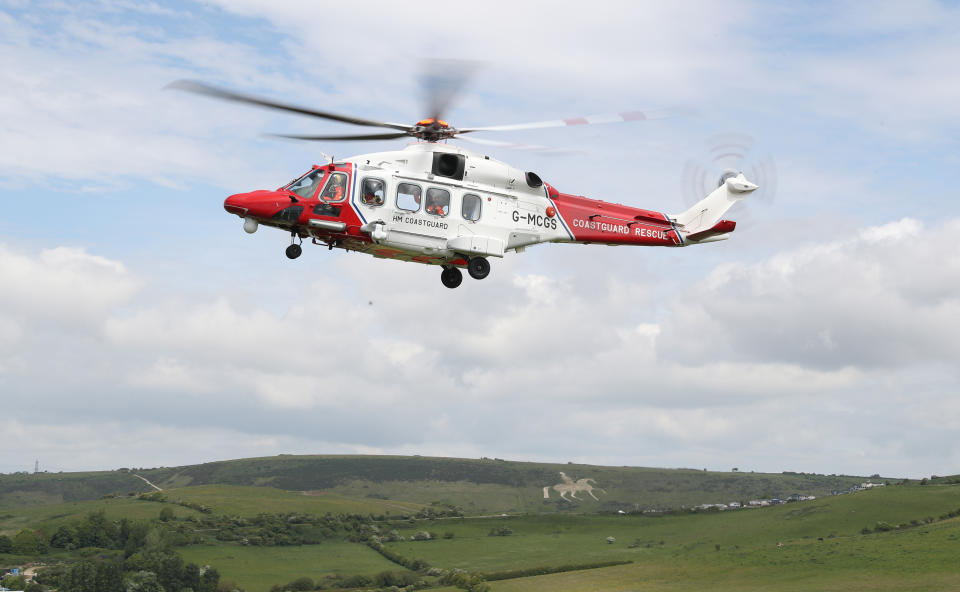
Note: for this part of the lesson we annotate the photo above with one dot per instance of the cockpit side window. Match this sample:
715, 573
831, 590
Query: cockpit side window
470, 208
438, 201
408, 197
336, 189
372, 192
306, 185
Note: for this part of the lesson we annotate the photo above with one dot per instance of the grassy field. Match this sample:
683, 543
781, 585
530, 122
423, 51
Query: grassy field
551, 540
258, 568
735, 550
49, 517
222, 499
812, 545
249, 501
917, 559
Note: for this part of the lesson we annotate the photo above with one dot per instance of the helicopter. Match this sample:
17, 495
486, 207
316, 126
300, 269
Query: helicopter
438, 204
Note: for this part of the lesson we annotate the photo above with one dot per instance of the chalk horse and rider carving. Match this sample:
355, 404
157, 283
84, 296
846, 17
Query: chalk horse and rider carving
570, 487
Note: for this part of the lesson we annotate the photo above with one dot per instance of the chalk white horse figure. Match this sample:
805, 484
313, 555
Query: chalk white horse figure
571, 487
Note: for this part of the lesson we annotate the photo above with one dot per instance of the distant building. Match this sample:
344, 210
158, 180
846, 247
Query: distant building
720, 507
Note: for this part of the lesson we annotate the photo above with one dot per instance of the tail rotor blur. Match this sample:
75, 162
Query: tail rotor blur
727, 154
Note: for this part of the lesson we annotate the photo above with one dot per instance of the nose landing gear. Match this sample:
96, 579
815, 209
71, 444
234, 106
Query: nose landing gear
294, 250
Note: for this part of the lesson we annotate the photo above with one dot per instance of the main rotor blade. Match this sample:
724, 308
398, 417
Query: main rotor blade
390, 136
523, 147
442, 81
202, 88
588, 120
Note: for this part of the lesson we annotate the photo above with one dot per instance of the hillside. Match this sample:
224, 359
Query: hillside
476, 485
889, 538
49, 488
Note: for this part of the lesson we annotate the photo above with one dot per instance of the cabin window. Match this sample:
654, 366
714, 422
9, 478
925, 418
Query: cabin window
306, 186
408, 197
471, 207
438, 201
371, 192
336, 189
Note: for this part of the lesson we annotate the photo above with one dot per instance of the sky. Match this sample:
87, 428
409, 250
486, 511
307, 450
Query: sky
140, 326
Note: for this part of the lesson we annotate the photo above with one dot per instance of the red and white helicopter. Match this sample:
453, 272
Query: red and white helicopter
438, 204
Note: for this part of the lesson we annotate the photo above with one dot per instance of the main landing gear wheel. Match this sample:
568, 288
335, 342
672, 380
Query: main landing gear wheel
478, 268
294, 251
451, 277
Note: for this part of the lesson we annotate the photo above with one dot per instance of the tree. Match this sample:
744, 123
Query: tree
29, 542
64, 538
166, 514
209, 580
14, 582
301, 585
82, 577
109, 576
6, 544
191, 576
144, 581
170, 570
136, 537
96, 531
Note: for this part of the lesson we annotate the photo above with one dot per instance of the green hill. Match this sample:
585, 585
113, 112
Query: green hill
890, 538
476, 485
46, 488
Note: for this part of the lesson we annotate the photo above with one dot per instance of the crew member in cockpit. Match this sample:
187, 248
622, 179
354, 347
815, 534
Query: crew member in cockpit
334, 191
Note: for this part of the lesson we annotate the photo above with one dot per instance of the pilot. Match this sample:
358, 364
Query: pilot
334, 192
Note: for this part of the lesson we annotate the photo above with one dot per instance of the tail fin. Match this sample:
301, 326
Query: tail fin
702, 222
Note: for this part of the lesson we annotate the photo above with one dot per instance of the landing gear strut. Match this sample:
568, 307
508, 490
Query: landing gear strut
478, 268
451, 277
294, 250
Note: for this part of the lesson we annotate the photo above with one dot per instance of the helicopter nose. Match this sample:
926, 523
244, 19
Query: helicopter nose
236, 204
261, 204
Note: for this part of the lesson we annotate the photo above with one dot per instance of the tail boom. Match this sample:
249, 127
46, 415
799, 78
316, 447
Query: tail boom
592, 221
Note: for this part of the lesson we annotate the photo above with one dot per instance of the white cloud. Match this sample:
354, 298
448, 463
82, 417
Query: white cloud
101, 445
64, 286
883, 297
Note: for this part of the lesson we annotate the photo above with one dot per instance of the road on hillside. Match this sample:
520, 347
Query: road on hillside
147, 482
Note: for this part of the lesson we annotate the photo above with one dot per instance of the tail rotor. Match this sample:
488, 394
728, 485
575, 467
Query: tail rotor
726, 155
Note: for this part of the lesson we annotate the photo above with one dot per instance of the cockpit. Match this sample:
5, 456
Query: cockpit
307, 186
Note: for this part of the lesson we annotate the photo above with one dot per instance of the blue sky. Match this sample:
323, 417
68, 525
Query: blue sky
139, 325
